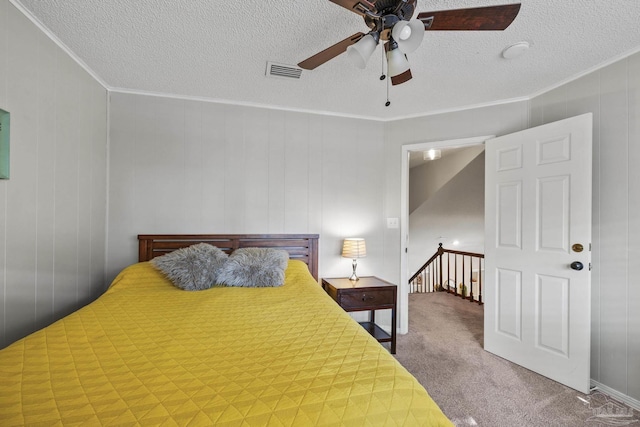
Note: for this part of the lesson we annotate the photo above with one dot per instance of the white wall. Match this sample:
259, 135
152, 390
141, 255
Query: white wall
612, 94
52, 209
182, 166
425, 180
455, 212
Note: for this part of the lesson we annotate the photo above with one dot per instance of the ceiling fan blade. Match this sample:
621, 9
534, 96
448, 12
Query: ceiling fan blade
358, 6
477, 18
330, 52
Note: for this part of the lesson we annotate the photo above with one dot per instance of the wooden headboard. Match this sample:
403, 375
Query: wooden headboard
303, 247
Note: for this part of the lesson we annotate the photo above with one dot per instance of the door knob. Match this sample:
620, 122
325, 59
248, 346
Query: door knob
577, 265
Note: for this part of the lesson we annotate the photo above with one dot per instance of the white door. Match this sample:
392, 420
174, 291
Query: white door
538, 217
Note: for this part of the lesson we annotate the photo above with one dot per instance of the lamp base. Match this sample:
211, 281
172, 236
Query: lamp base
354, 277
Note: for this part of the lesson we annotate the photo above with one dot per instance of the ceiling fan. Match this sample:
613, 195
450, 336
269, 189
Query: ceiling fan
390, 21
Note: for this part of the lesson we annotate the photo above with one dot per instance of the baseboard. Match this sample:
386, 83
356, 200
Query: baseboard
620, 397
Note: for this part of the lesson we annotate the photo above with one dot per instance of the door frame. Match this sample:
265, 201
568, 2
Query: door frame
403, 306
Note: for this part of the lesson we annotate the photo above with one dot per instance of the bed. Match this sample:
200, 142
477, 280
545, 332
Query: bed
148, 353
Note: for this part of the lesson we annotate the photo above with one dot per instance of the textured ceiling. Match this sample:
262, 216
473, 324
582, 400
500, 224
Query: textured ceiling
218, 50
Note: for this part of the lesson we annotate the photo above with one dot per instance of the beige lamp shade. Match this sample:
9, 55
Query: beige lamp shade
354, 248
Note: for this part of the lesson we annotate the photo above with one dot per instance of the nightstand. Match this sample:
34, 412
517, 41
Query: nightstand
368, 293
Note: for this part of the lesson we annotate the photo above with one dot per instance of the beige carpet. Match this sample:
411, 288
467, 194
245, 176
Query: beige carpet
443, 350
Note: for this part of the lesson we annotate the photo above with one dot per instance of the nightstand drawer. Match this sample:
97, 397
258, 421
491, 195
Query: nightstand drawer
366, 298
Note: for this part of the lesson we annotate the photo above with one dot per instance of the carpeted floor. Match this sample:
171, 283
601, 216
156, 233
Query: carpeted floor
443, 350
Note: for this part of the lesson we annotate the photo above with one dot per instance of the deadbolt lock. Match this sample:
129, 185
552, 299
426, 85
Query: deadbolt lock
577, 247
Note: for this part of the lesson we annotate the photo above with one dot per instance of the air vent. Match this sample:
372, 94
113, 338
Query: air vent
283, 71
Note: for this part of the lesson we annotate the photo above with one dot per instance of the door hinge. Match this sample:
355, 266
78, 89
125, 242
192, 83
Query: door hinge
589, 266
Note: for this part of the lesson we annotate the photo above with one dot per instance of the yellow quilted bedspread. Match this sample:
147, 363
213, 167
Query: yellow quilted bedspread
147, 353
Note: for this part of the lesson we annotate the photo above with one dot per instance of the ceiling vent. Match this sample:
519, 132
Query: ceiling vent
283, 71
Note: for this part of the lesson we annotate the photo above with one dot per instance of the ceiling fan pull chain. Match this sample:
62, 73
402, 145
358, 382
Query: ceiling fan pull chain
382, 75
386, 104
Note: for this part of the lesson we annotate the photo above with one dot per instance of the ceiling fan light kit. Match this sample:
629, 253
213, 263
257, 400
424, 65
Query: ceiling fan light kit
360, 52
408, 35
390, 21
396, 60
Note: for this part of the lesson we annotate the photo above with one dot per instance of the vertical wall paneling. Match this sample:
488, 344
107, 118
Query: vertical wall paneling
236, 177
614, 221
213, 151
396, 134
84, 182
193, 181
66, 192
98, 176
121, 199
257, 170
254, 170
45, 166
296, 177
611, 94
276, 176
314, 174
349, 180
149, 173
241, 169
4, 23
555, 105
535, 112
166, 151
22, 102
633, 296
336, 194
47, 217
369, 149
4, 79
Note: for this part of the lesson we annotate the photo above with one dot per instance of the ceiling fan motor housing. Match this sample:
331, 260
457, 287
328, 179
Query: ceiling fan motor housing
387, 14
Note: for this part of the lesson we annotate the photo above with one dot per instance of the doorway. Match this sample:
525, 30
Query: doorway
404, 228
538, 196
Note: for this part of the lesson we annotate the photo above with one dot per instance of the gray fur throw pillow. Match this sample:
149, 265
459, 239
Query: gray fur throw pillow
192, 268
255, 267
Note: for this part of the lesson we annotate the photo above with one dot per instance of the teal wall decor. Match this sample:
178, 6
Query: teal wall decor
4, 144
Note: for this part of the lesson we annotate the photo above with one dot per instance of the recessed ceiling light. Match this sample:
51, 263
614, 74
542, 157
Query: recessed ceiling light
515, 50
432, 154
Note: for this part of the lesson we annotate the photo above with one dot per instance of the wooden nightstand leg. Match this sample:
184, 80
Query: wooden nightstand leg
372, 316
393, 331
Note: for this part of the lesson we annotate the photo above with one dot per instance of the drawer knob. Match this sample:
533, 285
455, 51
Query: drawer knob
366, 297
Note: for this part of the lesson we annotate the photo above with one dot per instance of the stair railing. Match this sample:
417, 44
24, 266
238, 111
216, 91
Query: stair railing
457, 272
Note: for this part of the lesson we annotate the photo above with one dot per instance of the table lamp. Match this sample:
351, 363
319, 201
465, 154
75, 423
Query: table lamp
354, 248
